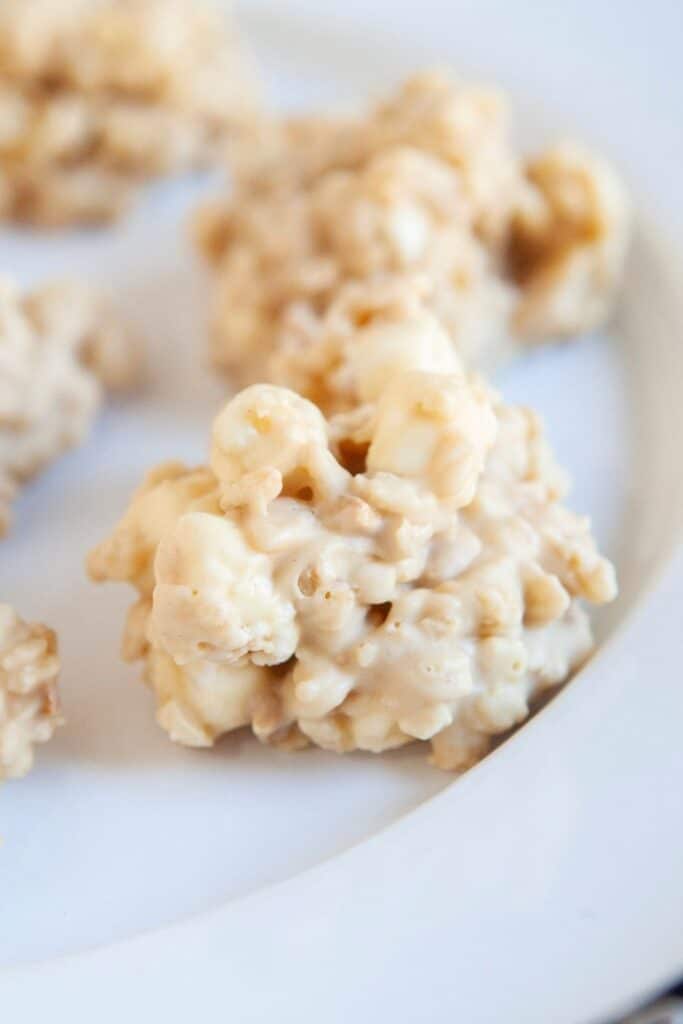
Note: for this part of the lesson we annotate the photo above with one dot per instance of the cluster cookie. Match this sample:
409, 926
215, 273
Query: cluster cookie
98, 95
401, 571
426, 183
60, 348
29, 708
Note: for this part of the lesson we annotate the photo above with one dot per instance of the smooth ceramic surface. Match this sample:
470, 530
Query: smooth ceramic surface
544, 886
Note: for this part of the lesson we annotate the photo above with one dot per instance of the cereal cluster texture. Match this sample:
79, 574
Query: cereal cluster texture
98, 95
404, 570
60, 348
29, 709
426, 185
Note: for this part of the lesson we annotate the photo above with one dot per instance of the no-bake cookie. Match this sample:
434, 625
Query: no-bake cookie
404, 570
510, 250
96, 96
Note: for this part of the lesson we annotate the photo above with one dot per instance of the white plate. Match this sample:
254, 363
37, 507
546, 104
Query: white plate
547, 885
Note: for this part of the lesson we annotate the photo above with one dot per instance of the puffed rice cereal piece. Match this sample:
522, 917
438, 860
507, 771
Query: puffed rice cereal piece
427, 183
29, 706
98, 95
60, 347
404, 571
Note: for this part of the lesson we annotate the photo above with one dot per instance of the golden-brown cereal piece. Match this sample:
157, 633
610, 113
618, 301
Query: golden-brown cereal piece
568, 243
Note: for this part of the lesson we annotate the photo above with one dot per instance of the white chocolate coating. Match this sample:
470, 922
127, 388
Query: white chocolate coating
425, 186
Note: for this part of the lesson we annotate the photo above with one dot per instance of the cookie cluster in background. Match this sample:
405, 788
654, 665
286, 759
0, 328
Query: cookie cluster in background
509, 250
98, 96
